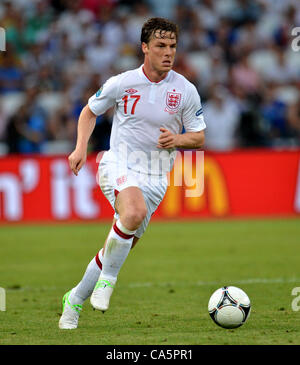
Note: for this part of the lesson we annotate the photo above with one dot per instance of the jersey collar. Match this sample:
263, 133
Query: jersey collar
145, 77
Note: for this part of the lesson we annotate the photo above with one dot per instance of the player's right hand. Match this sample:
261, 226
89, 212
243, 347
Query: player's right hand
76, 160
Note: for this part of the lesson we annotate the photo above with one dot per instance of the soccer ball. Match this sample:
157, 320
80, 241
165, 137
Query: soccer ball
229, 307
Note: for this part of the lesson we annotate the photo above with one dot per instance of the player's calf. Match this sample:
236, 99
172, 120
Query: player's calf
117, 247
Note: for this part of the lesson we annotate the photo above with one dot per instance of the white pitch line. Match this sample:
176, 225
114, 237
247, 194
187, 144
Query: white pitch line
177, 284
225, 282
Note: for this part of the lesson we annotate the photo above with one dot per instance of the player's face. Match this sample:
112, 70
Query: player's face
161, 50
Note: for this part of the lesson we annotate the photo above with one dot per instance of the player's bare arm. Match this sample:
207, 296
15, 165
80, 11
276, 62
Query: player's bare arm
188, 140
86, 125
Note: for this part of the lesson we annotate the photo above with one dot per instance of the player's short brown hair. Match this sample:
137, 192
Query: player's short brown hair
154, 24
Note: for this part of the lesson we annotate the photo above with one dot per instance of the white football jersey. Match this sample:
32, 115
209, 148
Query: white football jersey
142, 107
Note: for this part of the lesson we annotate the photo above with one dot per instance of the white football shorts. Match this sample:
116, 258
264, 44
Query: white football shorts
112, 180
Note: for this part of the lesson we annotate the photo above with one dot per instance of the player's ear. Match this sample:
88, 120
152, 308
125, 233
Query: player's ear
145, 48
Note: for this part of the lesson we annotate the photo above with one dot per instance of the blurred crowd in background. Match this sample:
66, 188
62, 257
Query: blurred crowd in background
237, 53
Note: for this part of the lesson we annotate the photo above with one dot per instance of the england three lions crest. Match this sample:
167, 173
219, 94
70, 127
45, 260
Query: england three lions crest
173, 102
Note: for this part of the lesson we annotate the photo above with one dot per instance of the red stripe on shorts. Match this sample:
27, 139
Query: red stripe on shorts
120, 233
98, 261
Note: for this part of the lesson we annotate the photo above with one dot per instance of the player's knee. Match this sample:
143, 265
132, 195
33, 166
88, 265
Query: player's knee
135, 216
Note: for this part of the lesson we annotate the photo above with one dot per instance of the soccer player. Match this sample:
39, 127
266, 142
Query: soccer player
152, 105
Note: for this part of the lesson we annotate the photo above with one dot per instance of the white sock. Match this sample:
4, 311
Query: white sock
86, 286
117, 248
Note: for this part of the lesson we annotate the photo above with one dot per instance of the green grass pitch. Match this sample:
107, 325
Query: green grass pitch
163, 288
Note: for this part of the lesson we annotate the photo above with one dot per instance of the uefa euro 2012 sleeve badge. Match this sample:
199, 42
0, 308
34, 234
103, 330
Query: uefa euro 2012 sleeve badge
98, 93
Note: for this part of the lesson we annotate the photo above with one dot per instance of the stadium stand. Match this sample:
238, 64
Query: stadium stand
59, 52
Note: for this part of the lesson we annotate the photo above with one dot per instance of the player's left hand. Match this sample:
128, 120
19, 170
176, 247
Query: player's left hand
167, 139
